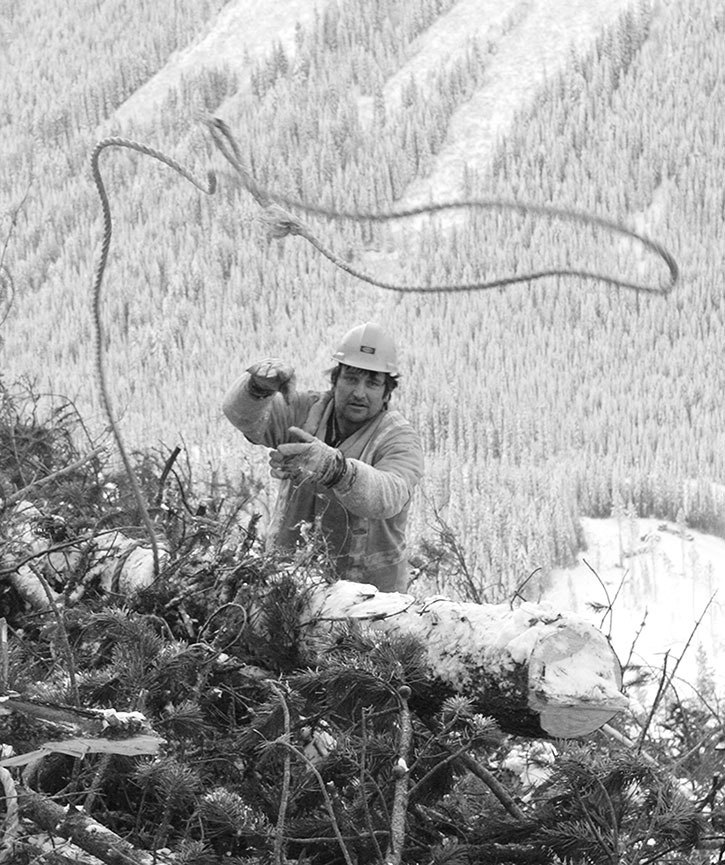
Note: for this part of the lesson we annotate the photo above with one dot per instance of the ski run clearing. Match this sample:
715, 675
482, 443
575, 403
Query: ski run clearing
531, 41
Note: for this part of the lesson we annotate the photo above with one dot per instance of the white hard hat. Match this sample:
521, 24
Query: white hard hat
367, 346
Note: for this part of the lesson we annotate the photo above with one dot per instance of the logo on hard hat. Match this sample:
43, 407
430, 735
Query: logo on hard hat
367, 349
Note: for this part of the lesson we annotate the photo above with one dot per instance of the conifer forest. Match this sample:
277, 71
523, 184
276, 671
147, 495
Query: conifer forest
176, 706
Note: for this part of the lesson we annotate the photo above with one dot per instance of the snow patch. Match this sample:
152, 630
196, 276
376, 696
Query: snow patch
663, 579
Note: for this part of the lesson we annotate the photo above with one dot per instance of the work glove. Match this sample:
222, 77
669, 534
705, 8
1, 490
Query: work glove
311, 458
269, 376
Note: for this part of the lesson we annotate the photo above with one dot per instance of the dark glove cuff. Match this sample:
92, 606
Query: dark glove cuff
336, 471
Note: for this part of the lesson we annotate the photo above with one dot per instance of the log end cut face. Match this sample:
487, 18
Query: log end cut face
575, 681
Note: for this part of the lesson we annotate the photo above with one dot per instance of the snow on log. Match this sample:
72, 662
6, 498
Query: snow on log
114, 561
537, 670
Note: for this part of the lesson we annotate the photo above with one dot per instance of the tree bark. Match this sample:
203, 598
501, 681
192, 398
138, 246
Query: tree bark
83, 831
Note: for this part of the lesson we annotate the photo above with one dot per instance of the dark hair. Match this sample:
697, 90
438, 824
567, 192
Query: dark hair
391, 381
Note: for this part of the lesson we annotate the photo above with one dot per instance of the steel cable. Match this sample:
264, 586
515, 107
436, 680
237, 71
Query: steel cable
282, 223
98, 327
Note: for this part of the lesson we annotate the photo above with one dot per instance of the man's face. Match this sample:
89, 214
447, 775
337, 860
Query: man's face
359, 395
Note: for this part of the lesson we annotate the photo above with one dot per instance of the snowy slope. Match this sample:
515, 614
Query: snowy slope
667, 579
243, 33
532, 40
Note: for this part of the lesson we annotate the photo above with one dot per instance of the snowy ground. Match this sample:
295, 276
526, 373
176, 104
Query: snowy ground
660, 577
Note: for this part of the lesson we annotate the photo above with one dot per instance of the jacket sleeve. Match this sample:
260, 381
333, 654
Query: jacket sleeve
264, 421
382, 489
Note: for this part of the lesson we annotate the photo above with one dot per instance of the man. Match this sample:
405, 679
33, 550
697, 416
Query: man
346, 461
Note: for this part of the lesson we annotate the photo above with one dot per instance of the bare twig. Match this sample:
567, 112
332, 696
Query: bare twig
12, 820
98, 777
165, 473
666, 681
451, 758
493, 785
326, 796
4, 659
364, 798
635, 639
401, 772
610, 601
517, 590
661, 687
64, 545
278, 853
62, 633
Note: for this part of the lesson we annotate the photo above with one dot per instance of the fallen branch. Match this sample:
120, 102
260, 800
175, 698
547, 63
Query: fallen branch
11, 821
495, 786
72, 718
127, 733
402, 779
144, 745
83, 831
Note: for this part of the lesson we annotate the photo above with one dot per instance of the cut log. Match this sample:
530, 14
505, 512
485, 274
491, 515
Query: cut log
537, 670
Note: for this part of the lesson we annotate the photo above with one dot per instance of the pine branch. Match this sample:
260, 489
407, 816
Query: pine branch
66, 470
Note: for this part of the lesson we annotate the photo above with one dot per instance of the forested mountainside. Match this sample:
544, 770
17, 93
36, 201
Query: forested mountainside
537, 404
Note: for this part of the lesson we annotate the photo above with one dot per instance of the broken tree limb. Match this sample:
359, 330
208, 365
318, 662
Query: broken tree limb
82, 830
537, 670
72, 718
145, 745
42, 847
11, 822
126, 733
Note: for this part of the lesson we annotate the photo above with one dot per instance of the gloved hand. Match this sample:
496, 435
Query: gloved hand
269, 376
311, 458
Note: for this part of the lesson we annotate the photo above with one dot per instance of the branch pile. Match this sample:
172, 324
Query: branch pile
243, 709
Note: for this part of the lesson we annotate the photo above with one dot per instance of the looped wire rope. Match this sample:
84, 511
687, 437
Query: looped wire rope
100, 369
281, 222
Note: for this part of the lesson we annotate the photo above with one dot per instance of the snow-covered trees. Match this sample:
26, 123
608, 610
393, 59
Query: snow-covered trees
535, 403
